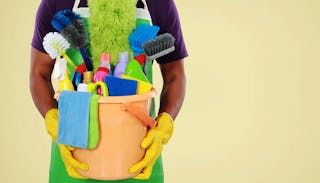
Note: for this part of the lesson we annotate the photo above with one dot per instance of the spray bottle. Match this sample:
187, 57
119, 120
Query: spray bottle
122, 63
65, 83
104, 68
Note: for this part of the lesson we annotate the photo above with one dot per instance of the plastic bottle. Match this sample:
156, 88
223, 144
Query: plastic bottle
65, 83
122, 63
82, 87
104, 68
78, 75
88, 77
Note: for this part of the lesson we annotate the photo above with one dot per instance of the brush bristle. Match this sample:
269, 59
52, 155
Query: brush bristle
141, 34
60, 20
83, 34
72, 27
161, 45
55, 44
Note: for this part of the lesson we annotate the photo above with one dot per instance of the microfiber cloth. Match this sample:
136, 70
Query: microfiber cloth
94, 122
74, 118
121, 87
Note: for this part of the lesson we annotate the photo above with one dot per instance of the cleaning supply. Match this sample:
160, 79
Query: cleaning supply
59, 68
121, 87
160, 46
141, 58
153, 142
110, 24
72, 28
82, 87
141, 34
74, 118
104, 68
143, 87
122, 63
123, 123
65, 83
93, 138
78, 75
93, 88
88, 77
133, 69
56, 45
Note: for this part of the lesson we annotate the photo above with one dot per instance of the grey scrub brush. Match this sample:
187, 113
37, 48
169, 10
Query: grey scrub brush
159, 46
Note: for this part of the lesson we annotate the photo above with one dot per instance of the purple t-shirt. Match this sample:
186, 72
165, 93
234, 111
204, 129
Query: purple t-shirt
163, 13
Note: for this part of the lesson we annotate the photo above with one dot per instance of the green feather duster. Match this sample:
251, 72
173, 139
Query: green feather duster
110, 24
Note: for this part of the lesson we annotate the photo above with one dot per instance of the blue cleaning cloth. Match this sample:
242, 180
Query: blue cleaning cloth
121, 87
73, 118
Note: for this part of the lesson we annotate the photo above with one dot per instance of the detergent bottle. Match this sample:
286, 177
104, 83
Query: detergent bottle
104, 68
65, 83
122, 63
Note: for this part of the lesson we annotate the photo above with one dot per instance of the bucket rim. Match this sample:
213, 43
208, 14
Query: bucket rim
128, 98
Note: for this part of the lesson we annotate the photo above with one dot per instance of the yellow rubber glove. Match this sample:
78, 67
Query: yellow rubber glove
153, 142
71, 163
51, 121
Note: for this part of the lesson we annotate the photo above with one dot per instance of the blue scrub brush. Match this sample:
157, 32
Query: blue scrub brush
73, 28
56, 45
140, 35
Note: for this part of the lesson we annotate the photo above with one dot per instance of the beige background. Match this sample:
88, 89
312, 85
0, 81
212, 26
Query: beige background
251, 113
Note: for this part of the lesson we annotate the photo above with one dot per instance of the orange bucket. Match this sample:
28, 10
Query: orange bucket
123, 123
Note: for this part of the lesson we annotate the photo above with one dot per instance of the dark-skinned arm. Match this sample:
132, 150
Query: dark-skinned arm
174, 86
40, 81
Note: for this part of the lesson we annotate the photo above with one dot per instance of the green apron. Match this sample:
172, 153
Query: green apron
58, 172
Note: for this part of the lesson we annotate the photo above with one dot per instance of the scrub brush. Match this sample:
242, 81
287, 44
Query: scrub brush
157, 47
160, 46
56, 45
73, 29
141, 34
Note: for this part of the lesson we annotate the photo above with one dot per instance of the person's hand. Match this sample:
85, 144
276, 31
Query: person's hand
51, 121
153, 142
71, 163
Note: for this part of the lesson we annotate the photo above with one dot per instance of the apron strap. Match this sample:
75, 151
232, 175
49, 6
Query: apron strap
76, 4
145, 5
143, 13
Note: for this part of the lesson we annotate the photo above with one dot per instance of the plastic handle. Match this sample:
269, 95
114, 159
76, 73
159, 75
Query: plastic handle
93, 87
145, 119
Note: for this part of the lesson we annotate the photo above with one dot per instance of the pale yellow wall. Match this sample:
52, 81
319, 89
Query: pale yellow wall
251, 113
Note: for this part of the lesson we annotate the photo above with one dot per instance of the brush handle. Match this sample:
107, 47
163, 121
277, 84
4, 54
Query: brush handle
69, 60
86, 59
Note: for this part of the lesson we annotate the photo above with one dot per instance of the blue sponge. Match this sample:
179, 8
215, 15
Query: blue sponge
121, 87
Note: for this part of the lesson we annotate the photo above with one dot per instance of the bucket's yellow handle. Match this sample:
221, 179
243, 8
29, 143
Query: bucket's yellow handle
93, 87
138, 113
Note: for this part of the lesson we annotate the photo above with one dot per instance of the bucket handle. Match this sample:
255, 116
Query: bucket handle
145, 119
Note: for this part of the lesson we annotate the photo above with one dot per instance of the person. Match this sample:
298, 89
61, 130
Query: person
62, 167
